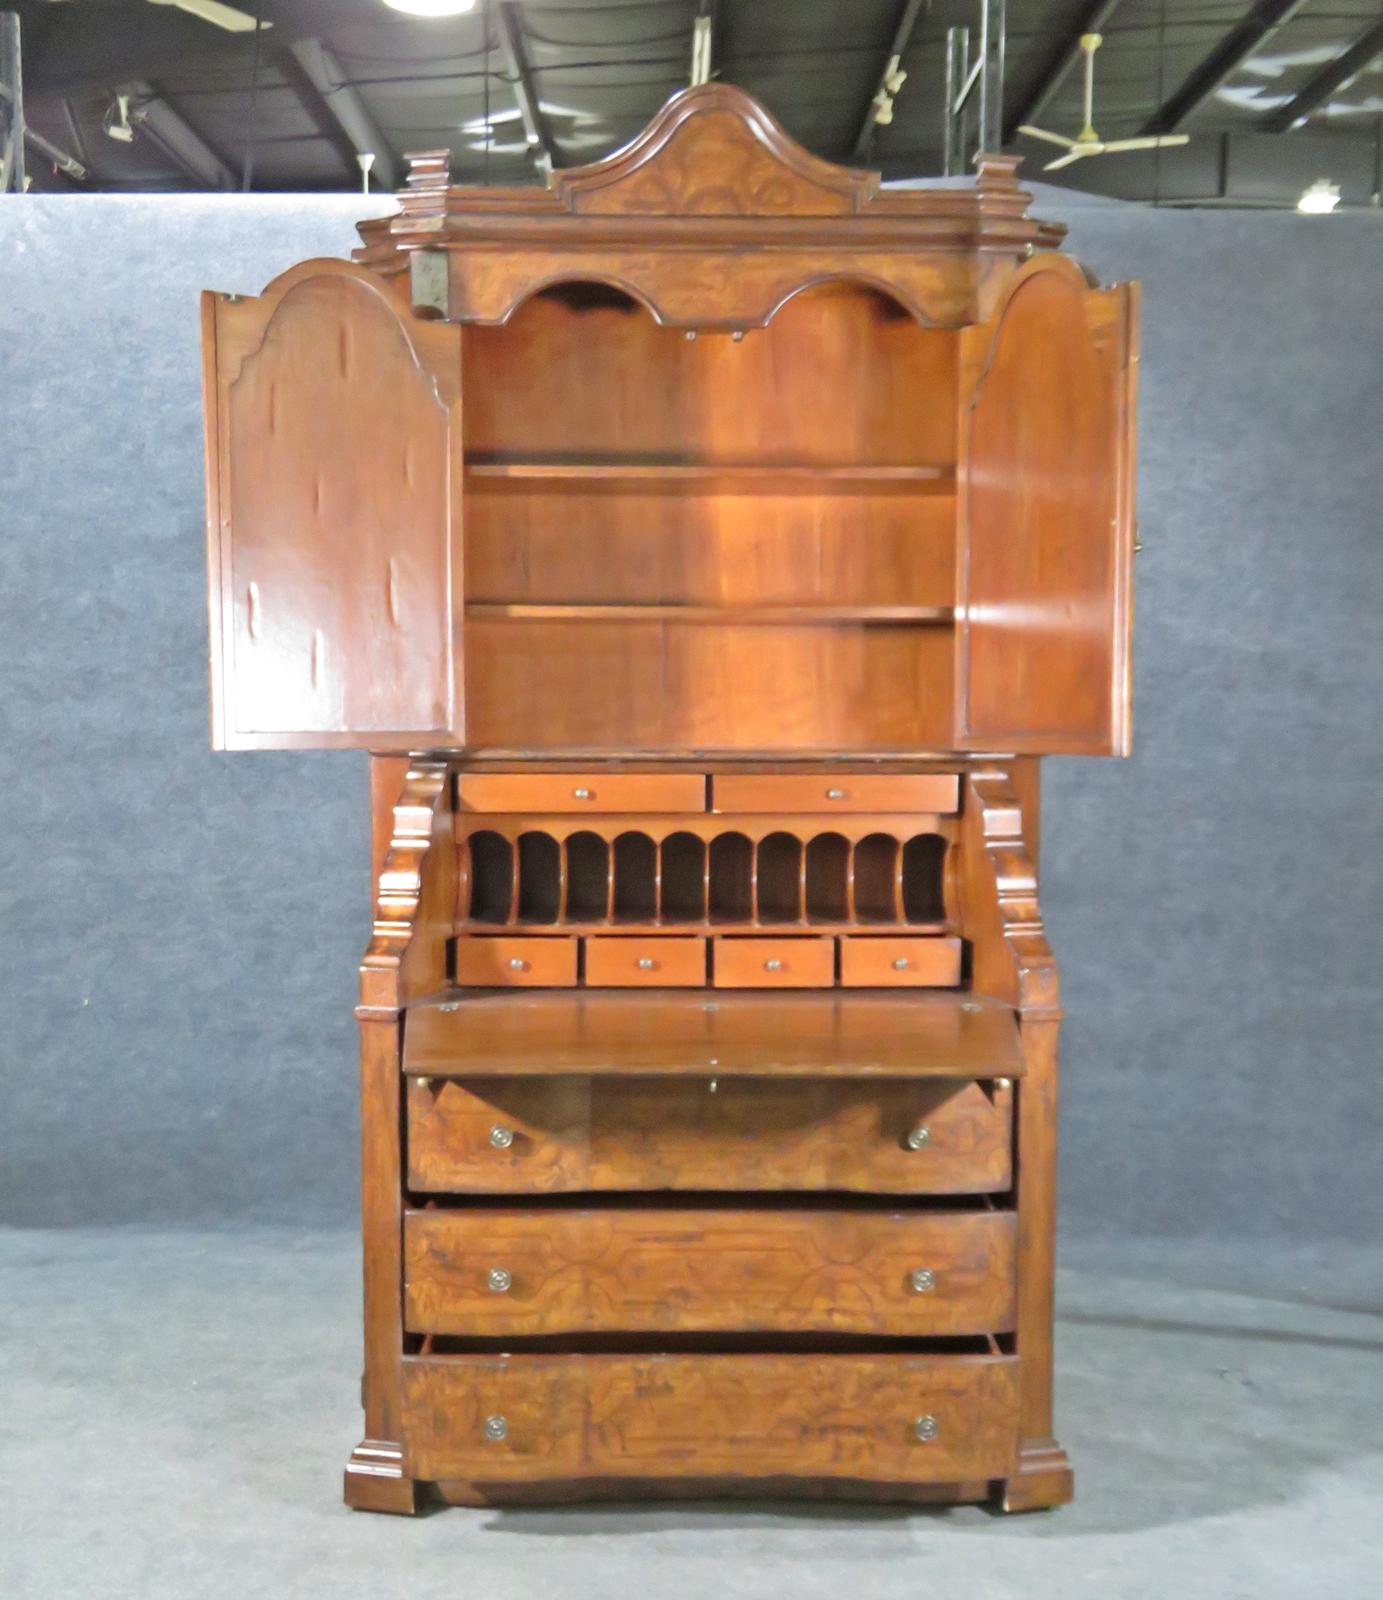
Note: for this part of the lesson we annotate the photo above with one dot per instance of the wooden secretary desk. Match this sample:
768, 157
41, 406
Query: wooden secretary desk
704, 548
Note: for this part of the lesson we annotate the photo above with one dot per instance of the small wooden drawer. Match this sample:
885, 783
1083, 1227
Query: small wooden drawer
623, 963
550, 792
881, 962
564, 1135
930, 792
904, 1419
501, 1273
515, 962
774, 963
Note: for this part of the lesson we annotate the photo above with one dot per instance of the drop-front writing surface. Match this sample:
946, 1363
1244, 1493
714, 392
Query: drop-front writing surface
705, 526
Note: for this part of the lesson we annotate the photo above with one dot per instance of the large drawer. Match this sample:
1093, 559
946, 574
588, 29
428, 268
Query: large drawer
572, 1133
487, 1272
880, 1418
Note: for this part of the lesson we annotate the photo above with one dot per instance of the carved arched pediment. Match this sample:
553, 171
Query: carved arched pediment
713, 151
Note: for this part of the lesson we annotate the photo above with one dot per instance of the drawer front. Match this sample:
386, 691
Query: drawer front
515, 962
931, 792
620, 963
550, 792
899, 963
774, 963
710, 1416
569, 1134
500, 1273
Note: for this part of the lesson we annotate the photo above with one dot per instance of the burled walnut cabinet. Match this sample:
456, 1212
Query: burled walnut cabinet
704, 549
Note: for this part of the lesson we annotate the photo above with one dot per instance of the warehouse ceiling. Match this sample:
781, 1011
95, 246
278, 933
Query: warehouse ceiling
1273, 95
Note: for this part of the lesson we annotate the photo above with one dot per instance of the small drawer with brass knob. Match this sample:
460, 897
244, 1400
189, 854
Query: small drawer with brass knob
879, 961
615, 962
502, 962
807, 963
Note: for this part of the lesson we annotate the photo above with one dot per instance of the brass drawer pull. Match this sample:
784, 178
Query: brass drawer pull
901, 964
923, 1281
496, 1427
836, 794
773, 964
646, 963
583, 794
517, 964
918, 1138
499, 1280
501, 1137
925, 1429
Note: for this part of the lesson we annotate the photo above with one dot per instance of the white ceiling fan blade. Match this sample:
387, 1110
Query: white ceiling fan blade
1076, 153
1041, 133
1153, 142
230, 18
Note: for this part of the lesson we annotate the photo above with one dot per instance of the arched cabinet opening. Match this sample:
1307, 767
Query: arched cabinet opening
665, 524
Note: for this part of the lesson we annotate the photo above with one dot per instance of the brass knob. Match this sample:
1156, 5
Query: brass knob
835, 794
919, 1137
773, 964
496, 1427
498, 1280
1003, 1083
517, 964
501, 1137
583, 794
925, 1428
646, 963
923, 1281
901, 964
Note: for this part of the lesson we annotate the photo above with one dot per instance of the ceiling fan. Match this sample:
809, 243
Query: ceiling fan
231, 18
1087, 142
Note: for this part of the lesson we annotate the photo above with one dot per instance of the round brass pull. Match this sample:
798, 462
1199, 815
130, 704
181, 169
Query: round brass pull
583, 794
499, 1280
646, 963
925, 1429
496, 1427
919, 1137
923, 1281
901, 964
501, 1137
773, 964
517, 964
835, 794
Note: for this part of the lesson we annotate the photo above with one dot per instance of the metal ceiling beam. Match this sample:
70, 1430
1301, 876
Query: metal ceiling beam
902, 36
521, 81
342, 103
1093, 19
1332, 77
46, 148
1226, 58
166, 126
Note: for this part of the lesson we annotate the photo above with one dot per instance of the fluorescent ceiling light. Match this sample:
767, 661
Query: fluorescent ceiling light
1320, 199
432, 8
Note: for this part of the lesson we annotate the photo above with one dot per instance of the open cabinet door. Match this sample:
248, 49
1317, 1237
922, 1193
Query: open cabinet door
1044, 603
333, 516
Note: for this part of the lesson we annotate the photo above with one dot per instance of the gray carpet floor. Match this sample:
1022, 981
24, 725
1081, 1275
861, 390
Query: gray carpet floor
177, 1409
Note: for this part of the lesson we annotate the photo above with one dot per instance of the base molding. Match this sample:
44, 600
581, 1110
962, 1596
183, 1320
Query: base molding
1043, 1479
375, 1479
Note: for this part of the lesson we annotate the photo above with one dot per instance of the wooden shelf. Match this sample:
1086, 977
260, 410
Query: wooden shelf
751, 615
804, 477
547, 1032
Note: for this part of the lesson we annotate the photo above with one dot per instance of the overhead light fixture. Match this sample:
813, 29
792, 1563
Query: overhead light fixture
432, 8
116, 122
1320, 199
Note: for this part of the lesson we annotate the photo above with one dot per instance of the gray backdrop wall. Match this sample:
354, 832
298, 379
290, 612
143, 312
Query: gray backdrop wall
180, 930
